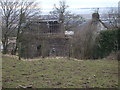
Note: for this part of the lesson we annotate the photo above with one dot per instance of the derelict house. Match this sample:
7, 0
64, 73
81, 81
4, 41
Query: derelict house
44, 38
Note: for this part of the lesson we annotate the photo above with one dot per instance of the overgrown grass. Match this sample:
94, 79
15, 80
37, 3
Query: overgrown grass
59, 73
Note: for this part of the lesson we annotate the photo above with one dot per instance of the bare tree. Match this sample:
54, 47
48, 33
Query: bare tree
72, 21
28, 11
67, 19
9, 13
15, 14
60, 10
112, 17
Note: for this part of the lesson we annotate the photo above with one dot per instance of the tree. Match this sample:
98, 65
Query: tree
72, 21
15, 15
112, 17
9, 13
68, 20
28, 11
84, 39
60, 10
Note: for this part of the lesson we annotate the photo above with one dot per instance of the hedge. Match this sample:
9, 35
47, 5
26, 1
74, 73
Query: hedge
108, 41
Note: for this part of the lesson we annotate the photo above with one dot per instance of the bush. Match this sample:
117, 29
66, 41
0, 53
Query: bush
118, 35
106, 42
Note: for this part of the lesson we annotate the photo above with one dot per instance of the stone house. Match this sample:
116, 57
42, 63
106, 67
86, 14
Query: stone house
44, 38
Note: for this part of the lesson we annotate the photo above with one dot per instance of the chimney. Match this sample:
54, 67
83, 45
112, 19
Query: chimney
95, 17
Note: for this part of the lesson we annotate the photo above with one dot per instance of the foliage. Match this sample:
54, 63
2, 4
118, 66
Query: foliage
118, 36
106, 42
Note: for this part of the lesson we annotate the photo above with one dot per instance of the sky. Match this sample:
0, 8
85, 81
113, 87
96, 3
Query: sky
80, 3
78, 6
47, 5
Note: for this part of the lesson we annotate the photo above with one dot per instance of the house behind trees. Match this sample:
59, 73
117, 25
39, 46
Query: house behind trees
44, 38
47, 37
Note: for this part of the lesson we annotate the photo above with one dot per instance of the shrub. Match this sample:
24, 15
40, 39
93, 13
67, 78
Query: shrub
106, 42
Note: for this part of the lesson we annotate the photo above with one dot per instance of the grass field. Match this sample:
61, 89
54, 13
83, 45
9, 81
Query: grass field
59, 73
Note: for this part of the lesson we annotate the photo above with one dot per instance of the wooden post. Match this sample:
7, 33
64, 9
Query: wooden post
69, 47
19, 51
43, 49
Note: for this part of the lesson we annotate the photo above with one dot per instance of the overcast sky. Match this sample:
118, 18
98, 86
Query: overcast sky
47, 5
80, 3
